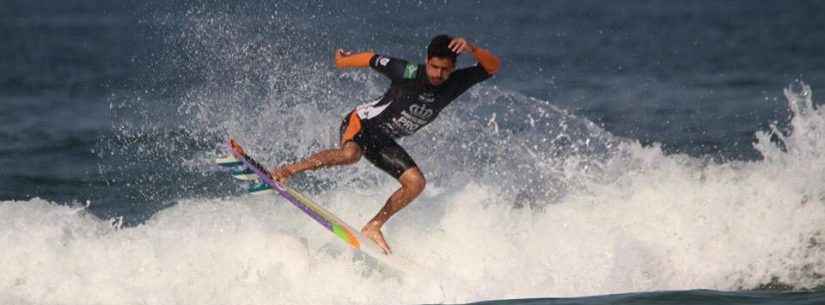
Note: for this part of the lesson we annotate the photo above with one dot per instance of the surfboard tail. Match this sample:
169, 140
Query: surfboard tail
228, 161
259, 189
244, 174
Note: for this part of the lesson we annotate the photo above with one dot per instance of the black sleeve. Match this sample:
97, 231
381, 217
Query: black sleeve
392, 68
463, 79
473, 75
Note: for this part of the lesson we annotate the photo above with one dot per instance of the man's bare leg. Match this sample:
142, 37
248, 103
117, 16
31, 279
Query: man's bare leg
349, 153
412, 184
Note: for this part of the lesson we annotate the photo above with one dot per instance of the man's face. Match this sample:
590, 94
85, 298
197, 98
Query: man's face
439, 69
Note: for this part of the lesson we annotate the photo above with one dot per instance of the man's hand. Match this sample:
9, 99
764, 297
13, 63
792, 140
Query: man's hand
340, 53
460, 45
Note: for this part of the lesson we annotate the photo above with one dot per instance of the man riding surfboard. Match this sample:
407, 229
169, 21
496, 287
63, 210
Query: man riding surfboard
416, 96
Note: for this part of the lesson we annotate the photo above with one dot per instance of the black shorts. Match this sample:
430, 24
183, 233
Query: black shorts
380, 149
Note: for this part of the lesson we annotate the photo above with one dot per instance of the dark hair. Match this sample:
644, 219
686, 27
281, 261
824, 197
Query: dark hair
440, 47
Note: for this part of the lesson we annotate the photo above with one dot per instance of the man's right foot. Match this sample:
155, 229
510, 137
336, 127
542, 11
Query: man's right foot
376, 236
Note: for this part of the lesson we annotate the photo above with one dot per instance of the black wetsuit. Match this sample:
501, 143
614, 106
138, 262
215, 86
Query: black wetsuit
410, 103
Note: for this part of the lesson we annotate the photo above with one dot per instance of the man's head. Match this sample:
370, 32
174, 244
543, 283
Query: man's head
440, 59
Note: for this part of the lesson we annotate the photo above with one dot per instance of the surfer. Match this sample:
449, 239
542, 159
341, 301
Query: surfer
416, 95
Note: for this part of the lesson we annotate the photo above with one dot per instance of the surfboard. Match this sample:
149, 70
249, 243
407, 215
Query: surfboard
244, 167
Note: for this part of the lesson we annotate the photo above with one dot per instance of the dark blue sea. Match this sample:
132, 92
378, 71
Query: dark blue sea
628, 152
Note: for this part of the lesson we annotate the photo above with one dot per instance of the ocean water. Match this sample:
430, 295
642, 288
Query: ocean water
629, 152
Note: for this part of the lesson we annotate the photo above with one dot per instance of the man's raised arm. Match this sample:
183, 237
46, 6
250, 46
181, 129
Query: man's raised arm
487, 59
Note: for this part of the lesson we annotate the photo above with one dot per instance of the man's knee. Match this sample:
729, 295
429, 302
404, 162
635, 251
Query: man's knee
413, 180
350, 153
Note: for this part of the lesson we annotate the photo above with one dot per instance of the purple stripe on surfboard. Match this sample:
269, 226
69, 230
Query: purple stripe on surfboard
267, 178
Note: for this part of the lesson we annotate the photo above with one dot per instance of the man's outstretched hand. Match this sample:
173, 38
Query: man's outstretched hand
340, 53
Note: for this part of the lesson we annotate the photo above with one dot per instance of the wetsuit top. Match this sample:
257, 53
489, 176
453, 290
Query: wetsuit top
412, 102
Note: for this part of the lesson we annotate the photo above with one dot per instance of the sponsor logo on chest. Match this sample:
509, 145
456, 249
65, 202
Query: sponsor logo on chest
426, 97
413, 118
421, 111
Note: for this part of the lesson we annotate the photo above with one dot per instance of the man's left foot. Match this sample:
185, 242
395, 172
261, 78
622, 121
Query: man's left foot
374, 233
281, 174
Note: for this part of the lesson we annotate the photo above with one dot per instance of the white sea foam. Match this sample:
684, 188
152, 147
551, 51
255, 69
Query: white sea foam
660, 222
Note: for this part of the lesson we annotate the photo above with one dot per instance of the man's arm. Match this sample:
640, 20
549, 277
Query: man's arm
488, 61
345, 59
392, 68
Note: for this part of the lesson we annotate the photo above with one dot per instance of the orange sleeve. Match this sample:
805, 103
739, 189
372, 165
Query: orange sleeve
488, 61
359, 60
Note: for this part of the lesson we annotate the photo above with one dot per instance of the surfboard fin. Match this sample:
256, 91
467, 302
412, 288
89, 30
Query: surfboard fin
244, 174
259, 188
229, 161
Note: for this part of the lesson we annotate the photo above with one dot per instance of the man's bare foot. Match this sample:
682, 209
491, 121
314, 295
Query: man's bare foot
374, 233
281, 174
